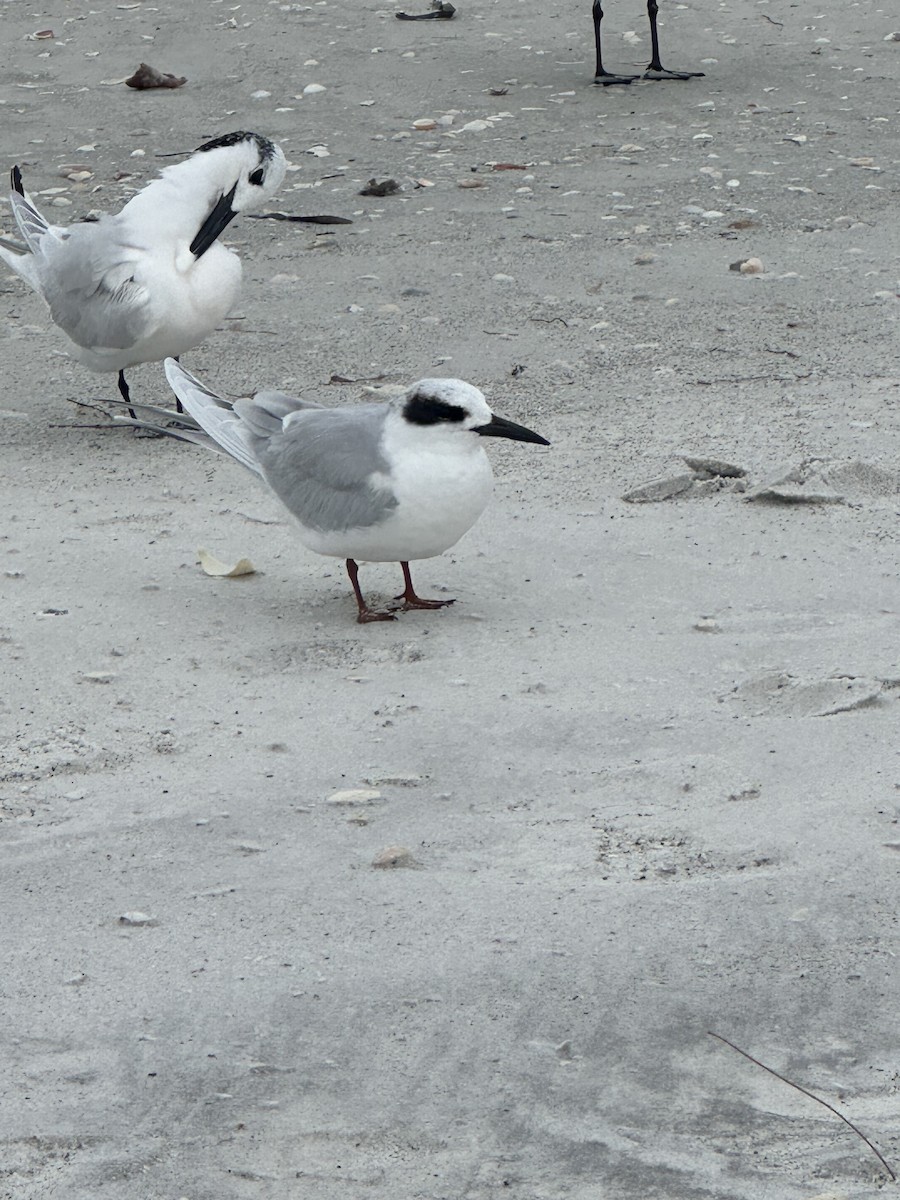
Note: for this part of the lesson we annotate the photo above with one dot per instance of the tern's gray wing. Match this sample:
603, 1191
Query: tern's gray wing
215, 416
32, 224
328, 467
86, 275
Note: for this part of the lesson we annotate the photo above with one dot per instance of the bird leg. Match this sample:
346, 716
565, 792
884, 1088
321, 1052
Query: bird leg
366, 614
656, 70
126, 395
601, 75
409, 597
179, 407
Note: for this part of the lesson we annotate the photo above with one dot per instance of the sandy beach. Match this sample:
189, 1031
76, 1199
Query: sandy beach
446, 908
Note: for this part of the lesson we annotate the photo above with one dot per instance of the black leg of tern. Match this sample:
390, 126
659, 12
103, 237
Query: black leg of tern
656, 70
126, 395
601, 75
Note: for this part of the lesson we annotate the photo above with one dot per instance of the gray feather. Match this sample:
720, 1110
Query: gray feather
322, 463
214, 414
321, 467
85, 274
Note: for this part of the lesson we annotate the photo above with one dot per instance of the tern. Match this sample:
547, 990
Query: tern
153, 280
381, 482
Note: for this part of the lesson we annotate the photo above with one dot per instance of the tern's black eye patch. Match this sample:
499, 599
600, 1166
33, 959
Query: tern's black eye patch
426, 410
257, 176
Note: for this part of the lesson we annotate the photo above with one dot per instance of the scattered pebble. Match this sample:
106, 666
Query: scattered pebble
394, 857
747, 266
313, 89
384, 187
97, 677
707, 625
424, 123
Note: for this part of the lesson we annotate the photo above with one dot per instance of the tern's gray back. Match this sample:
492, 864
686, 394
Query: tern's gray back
322, 466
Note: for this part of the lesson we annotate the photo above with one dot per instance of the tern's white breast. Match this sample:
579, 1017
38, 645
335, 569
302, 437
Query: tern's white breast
185, 304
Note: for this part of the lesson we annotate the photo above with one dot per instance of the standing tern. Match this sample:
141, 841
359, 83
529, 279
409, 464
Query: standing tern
153, 280
372, 482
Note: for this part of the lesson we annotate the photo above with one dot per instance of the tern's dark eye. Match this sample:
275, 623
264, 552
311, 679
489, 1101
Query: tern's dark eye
257, 176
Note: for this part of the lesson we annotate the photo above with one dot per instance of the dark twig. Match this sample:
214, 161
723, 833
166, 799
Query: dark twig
818, 1100
780, 24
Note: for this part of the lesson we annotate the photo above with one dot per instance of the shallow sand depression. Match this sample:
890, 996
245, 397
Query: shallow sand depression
446, 907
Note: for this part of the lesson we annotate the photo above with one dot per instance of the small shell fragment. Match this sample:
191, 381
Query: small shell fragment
708, 468
747, 266
660, 489
424, 123
137, 918
216, 568
355, 796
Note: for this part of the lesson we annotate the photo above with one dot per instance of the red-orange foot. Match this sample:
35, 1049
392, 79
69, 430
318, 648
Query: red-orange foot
370, 614
411, 600
414, 601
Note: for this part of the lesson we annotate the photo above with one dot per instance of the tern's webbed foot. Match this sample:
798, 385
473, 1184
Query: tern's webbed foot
414, 601
662, 73
607, 78
370, 614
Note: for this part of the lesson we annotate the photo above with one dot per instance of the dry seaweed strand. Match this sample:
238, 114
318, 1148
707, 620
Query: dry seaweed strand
859, 1133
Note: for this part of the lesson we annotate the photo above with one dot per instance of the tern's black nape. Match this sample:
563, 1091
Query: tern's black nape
266, 148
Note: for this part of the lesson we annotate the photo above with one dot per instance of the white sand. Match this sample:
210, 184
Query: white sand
629, 830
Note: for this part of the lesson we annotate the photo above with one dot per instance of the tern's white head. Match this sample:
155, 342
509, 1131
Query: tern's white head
453, 409
198, 197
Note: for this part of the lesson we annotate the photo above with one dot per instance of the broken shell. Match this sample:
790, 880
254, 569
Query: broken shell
424, 123
146, 77
660, 489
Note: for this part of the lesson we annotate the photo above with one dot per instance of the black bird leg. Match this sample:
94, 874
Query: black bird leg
126, 395
601, 75
366, 614
179, 407
409, 597
656, 70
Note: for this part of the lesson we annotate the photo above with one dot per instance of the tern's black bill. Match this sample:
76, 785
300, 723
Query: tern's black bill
500, 427
214, 224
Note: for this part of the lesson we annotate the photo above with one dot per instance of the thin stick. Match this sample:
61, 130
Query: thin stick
818, 1100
